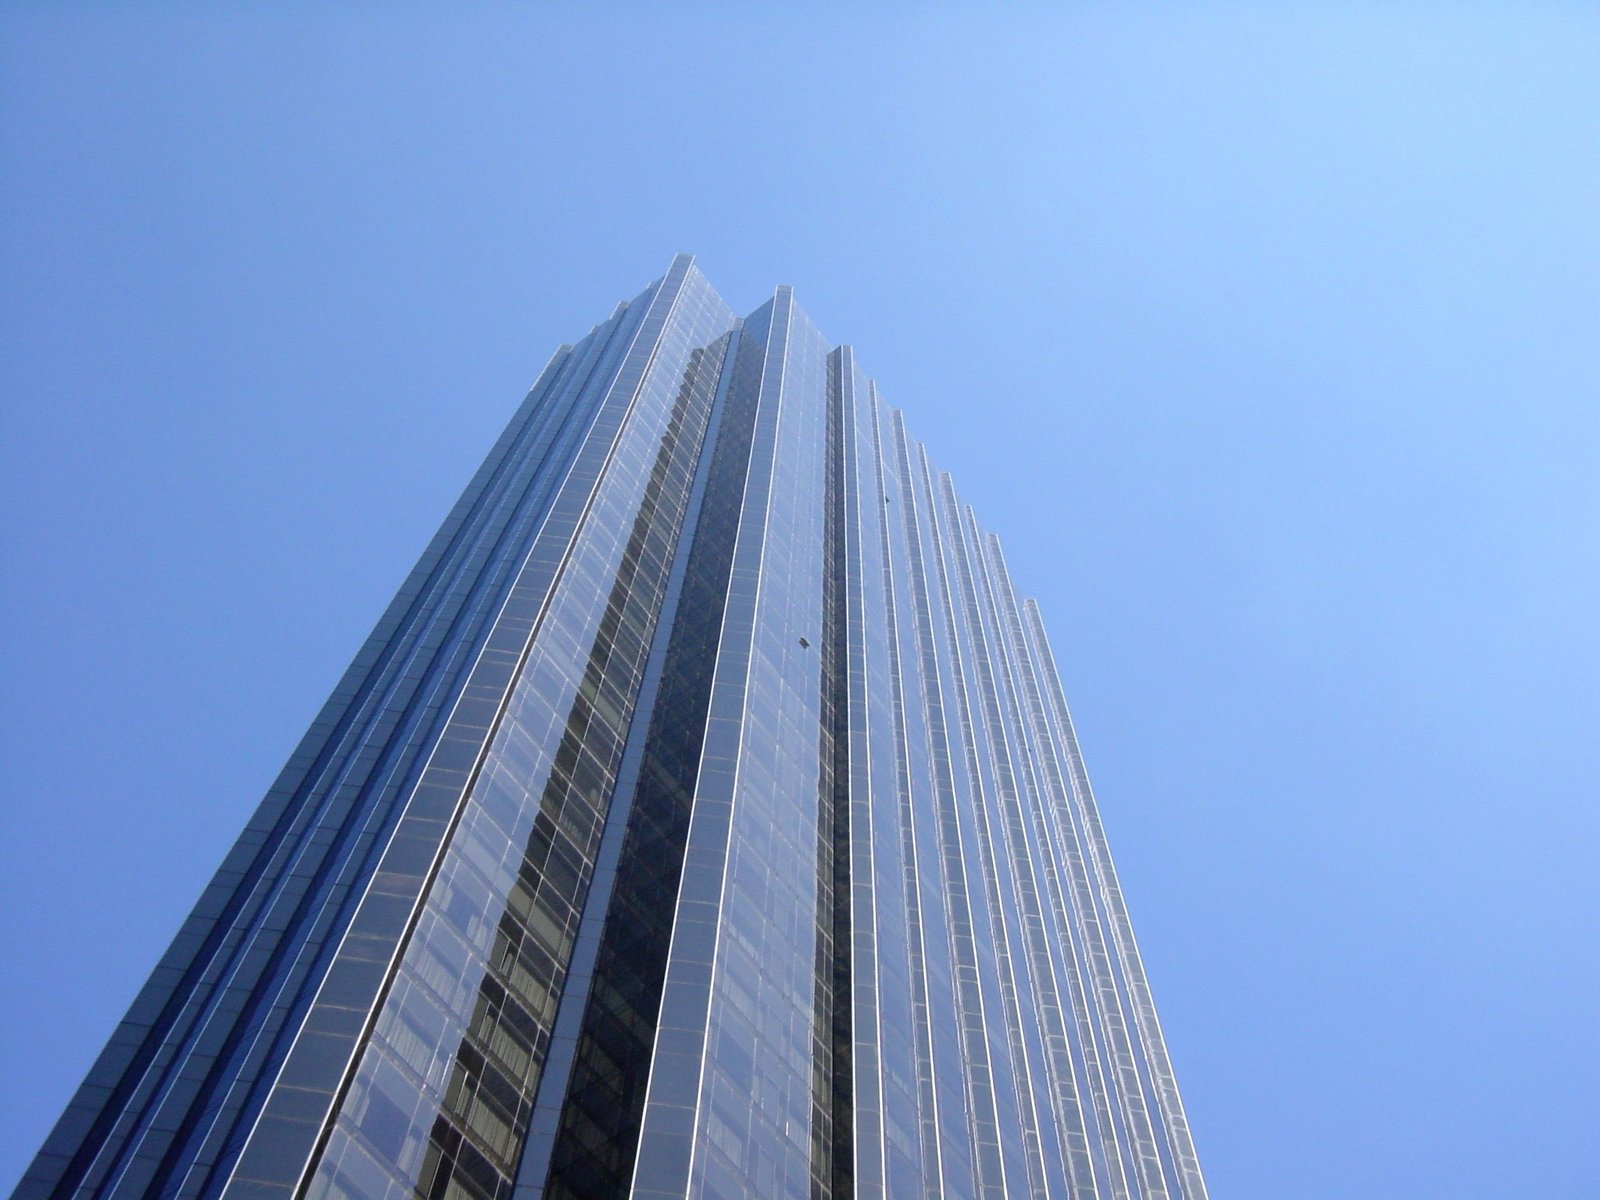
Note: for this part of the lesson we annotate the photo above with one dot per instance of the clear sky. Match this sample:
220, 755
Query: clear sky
1267, 337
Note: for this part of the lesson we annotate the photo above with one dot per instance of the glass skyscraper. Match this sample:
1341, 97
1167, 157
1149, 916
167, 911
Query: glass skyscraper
702, 819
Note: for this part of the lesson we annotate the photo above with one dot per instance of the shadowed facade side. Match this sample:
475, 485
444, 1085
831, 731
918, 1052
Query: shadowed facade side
703, 819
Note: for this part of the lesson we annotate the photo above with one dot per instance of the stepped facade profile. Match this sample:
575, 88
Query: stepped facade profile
702, 819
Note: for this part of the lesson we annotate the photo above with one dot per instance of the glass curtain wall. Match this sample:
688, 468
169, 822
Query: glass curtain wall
703, 819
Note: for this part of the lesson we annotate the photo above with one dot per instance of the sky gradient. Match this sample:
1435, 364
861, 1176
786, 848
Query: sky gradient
1266, 340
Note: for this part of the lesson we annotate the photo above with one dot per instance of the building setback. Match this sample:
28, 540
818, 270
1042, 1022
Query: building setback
702, 819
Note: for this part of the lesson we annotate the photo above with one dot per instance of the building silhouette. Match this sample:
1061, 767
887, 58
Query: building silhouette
703, 818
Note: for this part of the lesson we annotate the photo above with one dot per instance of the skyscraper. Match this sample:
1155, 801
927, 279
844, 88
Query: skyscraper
703, 818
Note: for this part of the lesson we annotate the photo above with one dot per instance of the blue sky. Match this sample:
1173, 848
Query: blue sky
1264, 335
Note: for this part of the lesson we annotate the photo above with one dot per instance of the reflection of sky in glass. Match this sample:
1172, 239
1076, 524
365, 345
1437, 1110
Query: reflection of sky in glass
466, 857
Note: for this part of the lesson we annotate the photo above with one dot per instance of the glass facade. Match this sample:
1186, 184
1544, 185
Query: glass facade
703, 819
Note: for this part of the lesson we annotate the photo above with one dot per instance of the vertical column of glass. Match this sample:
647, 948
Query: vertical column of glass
1034, 1148
439, 1100
384, 752
868, 766
1113, 1066
1076, 932
1085, 814
910, 1167
946, 1142
284, 1138
1018, 1128
214, 1016
832, 1148
585, 1139
753, 1131
668, 1124
954, 832
1042, 949
729, 1103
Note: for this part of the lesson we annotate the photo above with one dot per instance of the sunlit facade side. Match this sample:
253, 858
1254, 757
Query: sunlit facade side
703, 819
